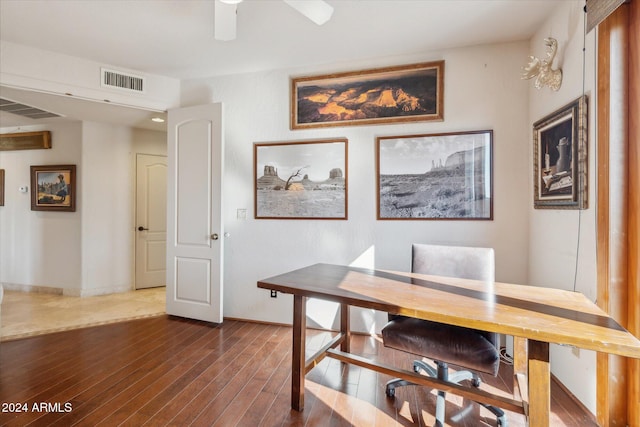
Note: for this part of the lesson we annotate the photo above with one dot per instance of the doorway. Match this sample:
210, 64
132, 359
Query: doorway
151, 221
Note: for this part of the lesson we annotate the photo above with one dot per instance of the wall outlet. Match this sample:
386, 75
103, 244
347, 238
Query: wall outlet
274, 294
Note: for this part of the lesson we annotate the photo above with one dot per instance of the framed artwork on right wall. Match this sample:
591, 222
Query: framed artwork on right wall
560, 158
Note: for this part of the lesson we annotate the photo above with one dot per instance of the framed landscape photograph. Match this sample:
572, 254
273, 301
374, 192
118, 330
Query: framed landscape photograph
560, 158
383, 95
301, 180
445, 176
53, 188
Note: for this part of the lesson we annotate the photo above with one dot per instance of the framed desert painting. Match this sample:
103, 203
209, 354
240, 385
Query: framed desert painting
301, 180
446, 176
383, 95
560, 158
53, 188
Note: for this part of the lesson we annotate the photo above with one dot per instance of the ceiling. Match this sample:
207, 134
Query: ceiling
174, 38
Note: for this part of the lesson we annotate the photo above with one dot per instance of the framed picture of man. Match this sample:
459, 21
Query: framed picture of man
53, 188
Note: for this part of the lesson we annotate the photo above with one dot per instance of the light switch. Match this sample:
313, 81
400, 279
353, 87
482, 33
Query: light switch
241, 214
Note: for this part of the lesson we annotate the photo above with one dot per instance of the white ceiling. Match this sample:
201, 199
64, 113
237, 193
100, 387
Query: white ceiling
167, 37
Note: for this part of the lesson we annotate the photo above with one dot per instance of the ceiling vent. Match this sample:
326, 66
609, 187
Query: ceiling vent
24, 110
120, 80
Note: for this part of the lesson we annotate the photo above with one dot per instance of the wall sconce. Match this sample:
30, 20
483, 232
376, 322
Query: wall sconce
541, 68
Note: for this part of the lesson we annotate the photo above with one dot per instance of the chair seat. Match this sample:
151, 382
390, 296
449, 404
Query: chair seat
445, 343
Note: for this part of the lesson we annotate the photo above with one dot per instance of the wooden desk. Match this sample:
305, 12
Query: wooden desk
534, 316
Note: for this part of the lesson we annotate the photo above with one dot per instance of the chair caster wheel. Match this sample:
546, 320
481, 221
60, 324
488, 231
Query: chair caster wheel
390, 392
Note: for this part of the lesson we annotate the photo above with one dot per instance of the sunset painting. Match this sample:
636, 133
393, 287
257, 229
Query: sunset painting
397, 94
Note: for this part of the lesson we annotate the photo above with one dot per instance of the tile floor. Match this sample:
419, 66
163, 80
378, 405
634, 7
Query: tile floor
26, 314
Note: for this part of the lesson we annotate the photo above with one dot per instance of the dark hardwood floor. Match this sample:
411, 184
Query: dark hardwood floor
177, 372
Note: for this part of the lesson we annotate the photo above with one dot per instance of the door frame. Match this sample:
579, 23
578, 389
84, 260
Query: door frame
135, 218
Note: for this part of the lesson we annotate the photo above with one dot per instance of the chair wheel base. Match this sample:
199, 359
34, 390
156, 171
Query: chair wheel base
390, 392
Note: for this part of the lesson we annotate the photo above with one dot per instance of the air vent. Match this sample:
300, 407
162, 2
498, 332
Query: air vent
24, 110
117, 79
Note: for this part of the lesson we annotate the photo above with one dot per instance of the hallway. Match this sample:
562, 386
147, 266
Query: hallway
26, 314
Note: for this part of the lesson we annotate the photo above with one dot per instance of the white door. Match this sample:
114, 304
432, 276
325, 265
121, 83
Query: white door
151, 221
194, 212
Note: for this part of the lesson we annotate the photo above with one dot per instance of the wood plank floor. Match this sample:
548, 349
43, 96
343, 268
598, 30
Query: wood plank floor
177, 372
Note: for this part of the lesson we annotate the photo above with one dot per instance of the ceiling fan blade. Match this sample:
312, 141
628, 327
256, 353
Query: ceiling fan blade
318, 11
224, 21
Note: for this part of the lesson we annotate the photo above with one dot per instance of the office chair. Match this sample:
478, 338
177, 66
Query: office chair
470, 349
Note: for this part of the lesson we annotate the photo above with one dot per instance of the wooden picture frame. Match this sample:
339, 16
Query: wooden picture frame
301, 179
405, 93
442, 176
560, 158
1, 187
53, 188
25, 141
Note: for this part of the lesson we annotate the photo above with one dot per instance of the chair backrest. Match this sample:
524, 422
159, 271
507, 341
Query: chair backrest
454, 261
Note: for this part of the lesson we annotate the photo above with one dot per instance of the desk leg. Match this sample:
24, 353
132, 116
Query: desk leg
345, 327
298, 357
520, 361
539, 384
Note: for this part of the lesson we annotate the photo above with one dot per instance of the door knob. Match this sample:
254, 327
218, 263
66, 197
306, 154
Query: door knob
214, 236
141, 228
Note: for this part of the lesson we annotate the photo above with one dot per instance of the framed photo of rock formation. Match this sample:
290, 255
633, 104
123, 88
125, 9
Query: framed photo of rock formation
438, 176
405, 93
301, 180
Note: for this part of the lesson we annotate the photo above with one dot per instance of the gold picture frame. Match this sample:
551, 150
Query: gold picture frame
406, 93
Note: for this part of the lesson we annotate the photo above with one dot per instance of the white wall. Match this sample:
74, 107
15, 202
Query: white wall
482, 91
39, 248
562, 243
87, 252
108, 201
51, 72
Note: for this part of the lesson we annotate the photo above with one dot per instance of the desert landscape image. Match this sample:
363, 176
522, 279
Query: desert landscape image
446, 177
392, 94
301, 181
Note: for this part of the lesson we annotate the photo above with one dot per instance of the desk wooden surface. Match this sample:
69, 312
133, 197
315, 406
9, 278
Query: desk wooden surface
542, 314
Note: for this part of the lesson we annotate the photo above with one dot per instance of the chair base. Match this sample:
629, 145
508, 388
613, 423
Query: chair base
442, 373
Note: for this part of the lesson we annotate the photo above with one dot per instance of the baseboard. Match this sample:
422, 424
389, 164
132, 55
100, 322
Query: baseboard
575, 400
69, 292
97, 291
30, 288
